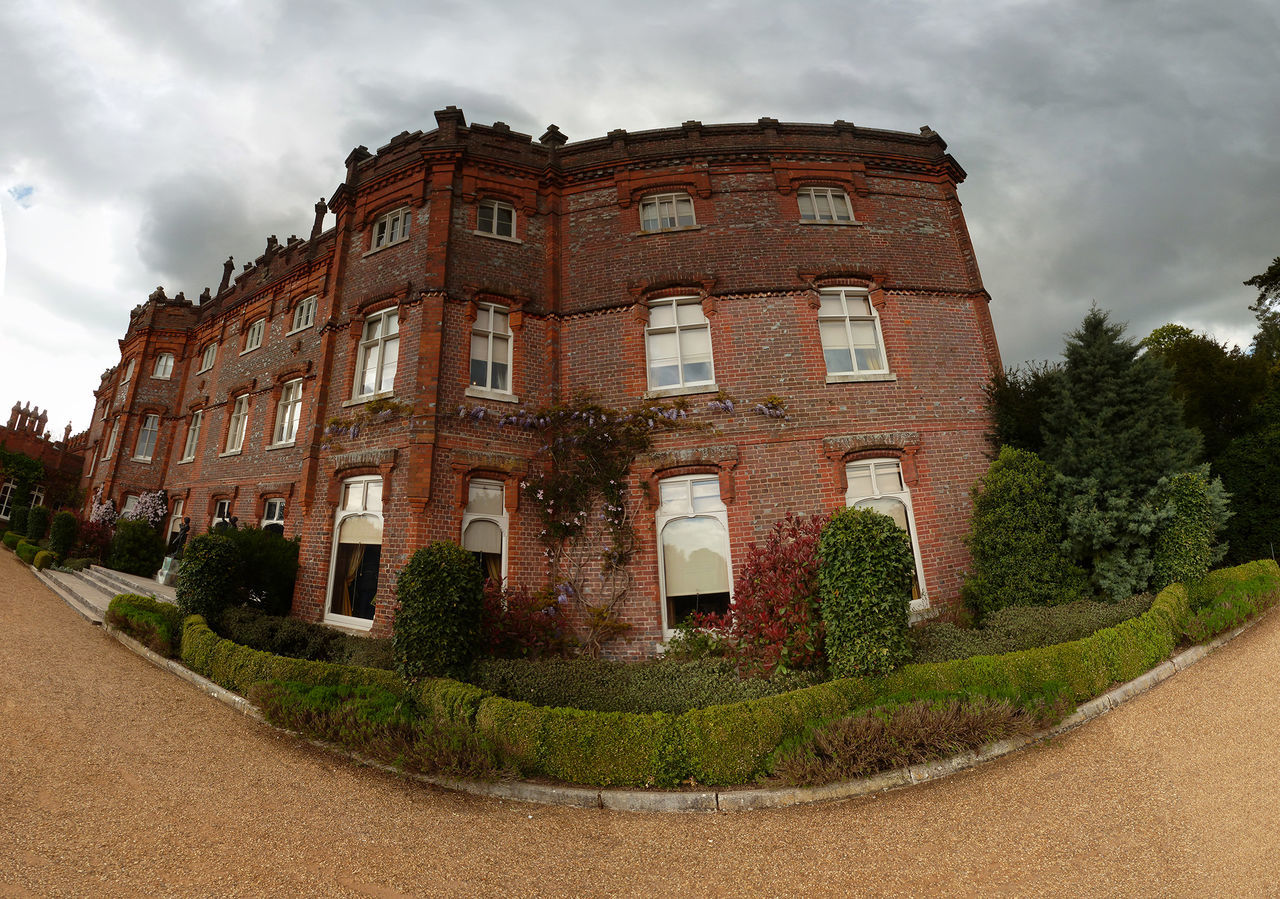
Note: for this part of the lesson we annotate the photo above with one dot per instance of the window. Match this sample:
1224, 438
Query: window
678, 344
666, 212
497, 218
253, 336
878, 484
304, 314
357, 554
164, 366
221, 513
37, 495
390, 228
693, 548
239, 421
824, 204
484, 527
850, 332
379, 350
210, 354
128, 371
146, 445
288, 411
130, 503
111, 441
175, 522
491, 349
6, 498
273, 516
193, 436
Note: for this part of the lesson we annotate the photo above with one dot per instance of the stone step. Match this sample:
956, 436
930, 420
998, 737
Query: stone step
119, 582
82, 595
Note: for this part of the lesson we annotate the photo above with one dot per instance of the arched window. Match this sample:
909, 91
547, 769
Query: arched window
357, 554
878, 484
693, 548
484, 527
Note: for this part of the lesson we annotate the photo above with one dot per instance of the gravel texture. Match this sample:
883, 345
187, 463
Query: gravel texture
116, 779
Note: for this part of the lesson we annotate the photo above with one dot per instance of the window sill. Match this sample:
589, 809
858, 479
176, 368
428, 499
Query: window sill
687, 390
829, 224
348, 623
385, 246
234, 452
368, 397
250, 350
277, 446
199, 371
483, 393
856, 377
493, 236
186, 461
299, 330
160, 377
141, 460
644, 233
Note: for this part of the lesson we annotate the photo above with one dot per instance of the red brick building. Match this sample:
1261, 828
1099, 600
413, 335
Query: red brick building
826, 268
62, 461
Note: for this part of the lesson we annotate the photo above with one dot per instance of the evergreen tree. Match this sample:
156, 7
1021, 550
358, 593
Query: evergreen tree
1266, 343
1017, 399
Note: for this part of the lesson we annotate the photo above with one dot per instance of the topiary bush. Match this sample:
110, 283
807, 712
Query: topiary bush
208, 576
137, 548
18, 519
62, 535
37, 524
437, 629
268, 568
27, 552
1016, 538
1185, 546
155, 624
11, 539
44, 559
865, 584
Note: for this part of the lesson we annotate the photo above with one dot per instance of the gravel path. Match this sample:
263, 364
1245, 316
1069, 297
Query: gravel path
118, 780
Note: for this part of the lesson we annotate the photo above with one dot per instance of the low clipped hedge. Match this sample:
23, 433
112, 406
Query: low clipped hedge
737, 743
156, 625
45, 559
27, 552
11, 539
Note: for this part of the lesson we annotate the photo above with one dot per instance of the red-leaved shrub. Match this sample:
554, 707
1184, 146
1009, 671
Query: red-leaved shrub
518, 624
94, 540
774, 621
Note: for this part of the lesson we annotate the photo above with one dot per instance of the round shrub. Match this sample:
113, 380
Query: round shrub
1017, 537
37, 523
137, 548
437, 630
865, 583
62, 536
44, 559
208, 576
18, 519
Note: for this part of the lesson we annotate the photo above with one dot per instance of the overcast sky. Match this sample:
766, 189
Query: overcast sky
1120, 152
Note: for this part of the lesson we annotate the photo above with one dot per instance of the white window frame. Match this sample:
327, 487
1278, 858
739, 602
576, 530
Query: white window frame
669, 512
193, 436
304, 315
7, 489
253, 335
832, 197
221, 513
237, 425
148, 435
390, 228
111, 440
130, 503
164, 367
375, 349
342, 515
273, 503
501, 520
657, 210
862, 296
494, 227
852, 498
676, 328
288, 413
486, 312
208, 356
175, 521
37, 495
128, 372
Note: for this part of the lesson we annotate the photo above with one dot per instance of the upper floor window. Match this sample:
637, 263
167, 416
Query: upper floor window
238, 423
497, 217
146, 446
111, 441
878, 484
379, 351
850, 332
128, 371
288, 412
678, 344
210, 353
666, 212
693, 548
253, 337
484, 527
390, 228
824, 204
193, 436
491, 349
130, 503
164, 366
304, 314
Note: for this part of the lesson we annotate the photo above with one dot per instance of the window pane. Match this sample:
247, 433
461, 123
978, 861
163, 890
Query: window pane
806, 205
695, 557
705, 495
486, 218
888, 477
831, 305
690, 314
479, 373
483, 537
373, 496
506, 218
482, 318
860, 483
500, 322
390, 354
392, 320
353, 497
684, 212
833, 333
479, 348
886, 505
371, 328
484, 497
822, 205
673, 495
840, 203
649, 217
858, 304
662, 316
839, 361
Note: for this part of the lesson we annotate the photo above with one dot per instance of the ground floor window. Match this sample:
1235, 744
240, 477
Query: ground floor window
878, 484
6, 499
273, 516
357, 553
693, 548
484, 527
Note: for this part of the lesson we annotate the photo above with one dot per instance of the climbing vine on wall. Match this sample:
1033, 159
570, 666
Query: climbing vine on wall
25, 473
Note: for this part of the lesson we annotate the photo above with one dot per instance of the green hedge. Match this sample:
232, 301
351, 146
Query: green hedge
45, 559
735, 744
27, 552
155, 624
12, 539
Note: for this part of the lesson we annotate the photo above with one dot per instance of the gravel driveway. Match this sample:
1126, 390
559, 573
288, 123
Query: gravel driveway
118, 780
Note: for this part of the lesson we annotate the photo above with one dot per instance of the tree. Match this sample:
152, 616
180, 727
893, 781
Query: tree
1266, 343
1018, 399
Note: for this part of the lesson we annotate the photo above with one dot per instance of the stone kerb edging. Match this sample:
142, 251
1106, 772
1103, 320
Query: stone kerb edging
746, 799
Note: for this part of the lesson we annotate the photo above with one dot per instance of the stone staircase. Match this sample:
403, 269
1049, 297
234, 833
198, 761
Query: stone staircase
90, 591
